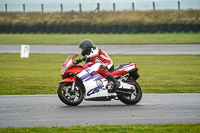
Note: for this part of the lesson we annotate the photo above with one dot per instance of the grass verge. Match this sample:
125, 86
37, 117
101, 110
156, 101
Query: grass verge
172, 128
102, 18
40, 74
65, 39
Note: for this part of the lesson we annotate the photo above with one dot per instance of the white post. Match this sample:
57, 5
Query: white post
25, 51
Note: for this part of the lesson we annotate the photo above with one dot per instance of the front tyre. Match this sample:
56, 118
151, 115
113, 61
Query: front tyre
69, 96
135, 97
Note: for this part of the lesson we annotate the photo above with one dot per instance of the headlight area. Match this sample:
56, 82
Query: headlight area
63, 70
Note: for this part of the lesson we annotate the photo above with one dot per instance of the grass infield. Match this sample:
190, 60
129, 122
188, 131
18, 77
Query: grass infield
172, 128
66, 39
40, 73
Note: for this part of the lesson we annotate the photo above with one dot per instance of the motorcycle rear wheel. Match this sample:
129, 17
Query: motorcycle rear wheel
135, 97
69, 96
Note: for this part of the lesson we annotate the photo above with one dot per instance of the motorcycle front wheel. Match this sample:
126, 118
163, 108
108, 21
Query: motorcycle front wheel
68, 96
134, 97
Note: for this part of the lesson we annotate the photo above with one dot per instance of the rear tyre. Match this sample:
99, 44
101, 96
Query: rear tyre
135, 97
69, 96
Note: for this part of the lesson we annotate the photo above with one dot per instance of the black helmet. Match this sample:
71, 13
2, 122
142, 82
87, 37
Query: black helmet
86, 46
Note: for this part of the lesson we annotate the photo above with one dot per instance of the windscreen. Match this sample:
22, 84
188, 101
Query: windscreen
69, 57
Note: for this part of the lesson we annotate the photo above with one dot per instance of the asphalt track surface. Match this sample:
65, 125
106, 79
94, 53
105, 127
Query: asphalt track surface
48, 110
110, 49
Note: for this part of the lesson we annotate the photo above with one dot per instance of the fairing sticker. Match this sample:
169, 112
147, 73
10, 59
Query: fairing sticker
126, 68
93, 75
96, 89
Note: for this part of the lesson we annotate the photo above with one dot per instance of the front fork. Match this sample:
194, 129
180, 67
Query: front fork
73, 85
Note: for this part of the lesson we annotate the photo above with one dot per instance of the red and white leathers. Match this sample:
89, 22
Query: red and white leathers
100, 56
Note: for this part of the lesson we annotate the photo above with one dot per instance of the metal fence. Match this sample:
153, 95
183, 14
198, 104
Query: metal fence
177, 5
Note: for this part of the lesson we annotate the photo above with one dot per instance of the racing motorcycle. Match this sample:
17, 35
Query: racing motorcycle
84, 82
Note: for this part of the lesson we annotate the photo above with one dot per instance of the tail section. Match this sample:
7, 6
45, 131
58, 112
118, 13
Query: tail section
123, 69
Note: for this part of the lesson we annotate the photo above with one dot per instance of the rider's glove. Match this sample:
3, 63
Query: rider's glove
78, 61
85, 58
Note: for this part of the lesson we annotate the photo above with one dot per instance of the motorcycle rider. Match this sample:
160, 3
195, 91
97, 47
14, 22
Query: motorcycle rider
93, 54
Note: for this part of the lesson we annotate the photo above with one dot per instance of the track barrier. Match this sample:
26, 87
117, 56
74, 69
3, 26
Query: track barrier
114, 29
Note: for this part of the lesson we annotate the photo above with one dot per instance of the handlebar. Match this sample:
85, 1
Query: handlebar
80, 60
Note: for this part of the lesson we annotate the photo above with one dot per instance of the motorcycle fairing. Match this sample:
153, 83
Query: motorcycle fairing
66, 65
90, 79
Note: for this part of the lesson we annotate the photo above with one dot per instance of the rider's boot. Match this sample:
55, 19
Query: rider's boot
116, 82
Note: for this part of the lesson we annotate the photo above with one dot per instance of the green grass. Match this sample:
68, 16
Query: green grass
167, 38
172, 128
40, 74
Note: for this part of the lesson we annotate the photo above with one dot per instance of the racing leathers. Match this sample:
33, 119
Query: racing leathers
100, 56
